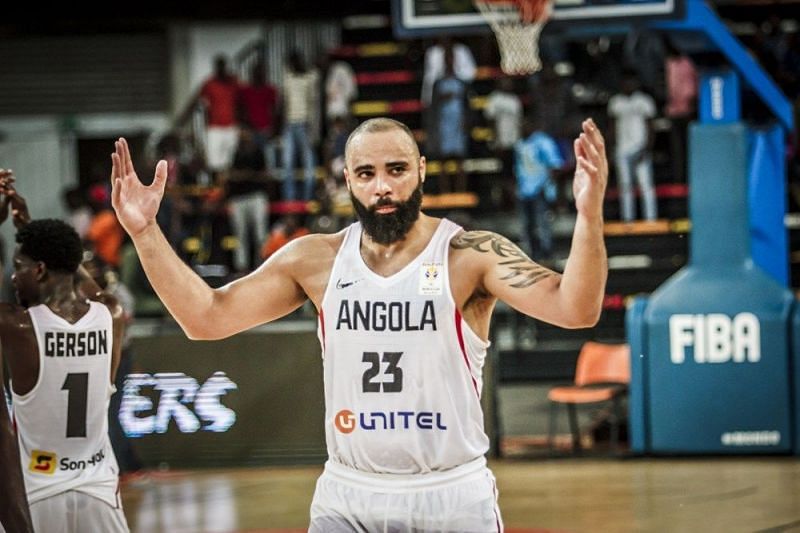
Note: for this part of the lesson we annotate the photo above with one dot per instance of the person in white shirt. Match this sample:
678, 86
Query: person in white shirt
341, 88
464, 66
300, 110
405, 301
632, 112
504, 110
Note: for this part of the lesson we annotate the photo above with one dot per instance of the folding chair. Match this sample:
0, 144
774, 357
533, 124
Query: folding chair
602, 374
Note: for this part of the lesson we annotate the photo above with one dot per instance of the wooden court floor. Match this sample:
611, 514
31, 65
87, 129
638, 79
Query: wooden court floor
564, 495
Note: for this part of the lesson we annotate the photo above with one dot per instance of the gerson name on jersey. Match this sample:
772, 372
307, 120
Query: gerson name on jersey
386, 316
75, 344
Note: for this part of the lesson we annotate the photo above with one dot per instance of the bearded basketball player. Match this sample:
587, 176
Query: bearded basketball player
404, 302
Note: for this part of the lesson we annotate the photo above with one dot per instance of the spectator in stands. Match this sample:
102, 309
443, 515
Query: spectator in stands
341, 89
536, 156
259, 101
105, 233
174, 207
301, 100
463, 66
504, 112
631, 112
448, 135
598, 71
79, 213
775, 40
334, 147
219, 94
337, 195
553, 105
789, 68
132, 276
245, 190
644, 53
286, 230
681, 78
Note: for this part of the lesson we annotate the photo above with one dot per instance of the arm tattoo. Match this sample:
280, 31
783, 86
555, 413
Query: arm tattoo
522, 271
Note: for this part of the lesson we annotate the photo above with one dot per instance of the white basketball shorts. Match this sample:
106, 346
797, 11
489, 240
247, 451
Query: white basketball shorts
463, 499
76, 512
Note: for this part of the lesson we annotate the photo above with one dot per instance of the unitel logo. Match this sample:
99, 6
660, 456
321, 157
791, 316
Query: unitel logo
345, 421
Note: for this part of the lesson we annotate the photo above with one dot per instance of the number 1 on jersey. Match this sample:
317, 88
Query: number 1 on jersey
77, 386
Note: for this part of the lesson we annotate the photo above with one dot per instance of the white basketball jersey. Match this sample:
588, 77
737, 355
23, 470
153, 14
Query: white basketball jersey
403, 370
62, 422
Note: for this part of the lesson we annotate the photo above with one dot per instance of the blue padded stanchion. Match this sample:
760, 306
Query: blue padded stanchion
634, 329
716, 333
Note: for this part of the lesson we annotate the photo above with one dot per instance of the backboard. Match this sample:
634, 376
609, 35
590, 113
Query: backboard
429, 18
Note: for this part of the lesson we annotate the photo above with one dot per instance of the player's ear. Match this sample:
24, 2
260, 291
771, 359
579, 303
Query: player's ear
422, 168
347, 178
40, 270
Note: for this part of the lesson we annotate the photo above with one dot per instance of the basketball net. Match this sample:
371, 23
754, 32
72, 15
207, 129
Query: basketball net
517, 25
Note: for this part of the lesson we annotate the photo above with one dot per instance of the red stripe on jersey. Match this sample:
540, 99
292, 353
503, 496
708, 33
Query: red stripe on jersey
322, 328
464, 352
496, 514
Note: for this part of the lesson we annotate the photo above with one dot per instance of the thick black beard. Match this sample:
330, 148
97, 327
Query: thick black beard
392, 227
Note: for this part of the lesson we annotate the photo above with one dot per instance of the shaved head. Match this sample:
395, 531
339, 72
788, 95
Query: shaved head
377, 125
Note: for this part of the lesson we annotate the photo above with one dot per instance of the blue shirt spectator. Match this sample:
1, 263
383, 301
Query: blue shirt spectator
534, 157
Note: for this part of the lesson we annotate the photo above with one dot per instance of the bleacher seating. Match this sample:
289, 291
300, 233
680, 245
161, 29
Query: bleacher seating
641, 255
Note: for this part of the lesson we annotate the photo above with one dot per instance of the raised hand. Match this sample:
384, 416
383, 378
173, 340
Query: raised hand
10, 197
591, 170
136, 204
6, 179
19, 209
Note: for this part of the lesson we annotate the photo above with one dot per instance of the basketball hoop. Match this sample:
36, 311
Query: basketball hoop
517, 25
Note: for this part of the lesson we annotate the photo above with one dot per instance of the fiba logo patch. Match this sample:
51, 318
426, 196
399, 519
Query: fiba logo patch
42, 462
345, 421
431, 272
430, 279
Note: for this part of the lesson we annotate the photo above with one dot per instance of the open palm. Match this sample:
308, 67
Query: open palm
591, 170
136, 204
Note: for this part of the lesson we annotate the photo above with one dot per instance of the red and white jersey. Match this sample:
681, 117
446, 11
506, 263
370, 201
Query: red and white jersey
62, 422
403, 370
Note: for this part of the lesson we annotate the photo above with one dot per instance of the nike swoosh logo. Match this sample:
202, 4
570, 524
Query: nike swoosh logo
344, 285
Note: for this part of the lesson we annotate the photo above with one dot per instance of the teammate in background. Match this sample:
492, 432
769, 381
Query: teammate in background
404, 303
14, 514
62, 351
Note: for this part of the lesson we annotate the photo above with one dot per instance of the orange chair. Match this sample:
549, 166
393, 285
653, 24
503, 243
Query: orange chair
602, 374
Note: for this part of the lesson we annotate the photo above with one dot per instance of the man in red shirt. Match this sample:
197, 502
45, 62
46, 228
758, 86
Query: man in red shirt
220, 94
259, 103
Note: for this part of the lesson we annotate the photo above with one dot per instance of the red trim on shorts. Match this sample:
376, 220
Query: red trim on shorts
496, 516
464, 352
